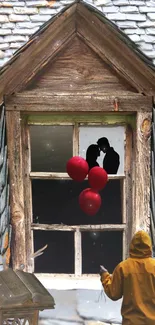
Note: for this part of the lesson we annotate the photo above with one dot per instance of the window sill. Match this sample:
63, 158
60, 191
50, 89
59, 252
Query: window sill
70, 281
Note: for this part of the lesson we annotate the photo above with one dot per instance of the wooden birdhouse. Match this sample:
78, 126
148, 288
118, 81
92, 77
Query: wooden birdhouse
21, 298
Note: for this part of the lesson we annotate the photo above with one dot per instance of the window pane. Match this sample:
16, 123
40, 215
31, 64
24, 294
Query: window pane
58, 256
51, 147
101, 248
56, 201
111, 155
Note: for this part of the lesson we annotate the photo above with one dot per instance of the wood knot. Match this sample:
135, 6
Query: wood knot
146, 128
17, 217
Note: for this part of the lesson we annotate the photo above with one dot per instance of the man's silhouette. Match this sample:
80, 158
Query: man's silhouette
93, 152
111, 159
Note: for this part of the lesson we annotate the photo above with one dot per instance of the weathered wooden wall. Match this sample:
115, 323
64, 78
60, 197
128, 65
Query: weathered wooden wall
15, 163
142, 161
153, 182
5, 227
78, 69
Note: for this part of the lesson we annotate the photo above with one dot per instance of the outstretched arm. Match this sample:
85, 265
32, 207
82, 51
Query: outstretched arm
113, 284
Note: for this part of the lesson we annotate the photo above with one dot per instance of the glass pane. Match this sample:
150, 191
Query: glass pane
58, 256
101, 248
111, 147
51, 147
56, 201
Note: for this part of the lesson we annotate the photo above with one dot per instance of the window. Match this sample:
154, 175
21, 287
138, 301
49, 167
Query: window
77, 243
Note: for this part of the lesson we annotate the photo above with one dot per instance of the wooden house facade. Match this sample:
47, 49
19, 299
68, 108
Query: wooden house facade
77, 78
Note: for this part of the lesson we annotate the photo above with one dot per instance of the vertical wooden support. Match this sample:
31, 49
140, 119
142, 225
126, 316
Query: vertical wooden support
128, 210
27, 193
152, 185
78, 252
35, 318
13, 122
5, 227
76, 140
141, 214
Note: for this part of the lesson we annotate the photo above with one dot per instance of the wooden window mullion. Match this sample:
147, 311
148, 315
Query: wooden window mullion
76, 140
78, 252
59, 227
56, 175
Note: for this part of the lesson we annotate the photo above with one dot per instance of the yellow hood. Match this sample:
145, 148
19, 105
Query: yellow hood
140, 246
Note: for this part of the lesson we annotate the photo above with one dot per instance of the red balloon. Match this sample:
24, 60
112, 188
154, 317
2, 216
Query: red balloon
89, 201
97, 178
77, 168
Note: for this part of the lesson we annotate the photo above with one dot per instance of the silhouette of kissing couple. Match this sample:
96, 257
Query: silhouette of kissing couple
111, 160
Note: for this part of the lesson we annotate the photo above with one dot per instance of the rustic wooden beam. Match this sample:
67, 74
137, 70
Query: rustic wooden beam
26, 154
49, 175
35, 317
105, 41
61, 227
13, 123
38, 102
38, 54
128, 187
141, 213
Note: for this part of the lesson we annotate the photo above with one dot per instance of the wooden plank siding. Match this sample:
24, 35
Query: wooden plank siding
141, 211
13, 122
104, 41
152, 185
99, 36
26, 167
28, 102
5, 226
80, 70
38, 54
73, 80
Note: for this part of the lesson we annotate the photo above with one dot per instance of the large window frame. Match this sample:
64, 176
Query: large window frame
132, 109
77, 229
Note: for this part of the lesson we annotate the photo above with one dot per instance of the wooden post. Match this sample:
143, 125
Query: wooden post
13, 123
27, 194
127, 208
35, 318
141, 213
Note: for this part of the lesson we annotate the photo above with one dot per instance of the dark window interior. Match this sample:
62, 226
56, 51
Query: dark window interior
51, 147
58, 256
56, 201
98, 248
101, 248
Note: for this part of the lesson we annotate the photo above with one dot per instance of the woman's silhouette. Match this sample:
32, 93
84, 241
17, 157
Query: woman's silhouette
93, 152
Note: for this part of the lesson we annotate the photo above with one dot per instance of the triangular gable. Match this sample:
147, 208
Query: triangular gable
96, 31
79, 69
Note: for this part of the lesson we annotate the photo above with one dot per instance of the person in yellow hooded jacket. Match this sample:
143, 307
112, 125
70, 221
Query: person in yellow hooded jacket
134, 280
